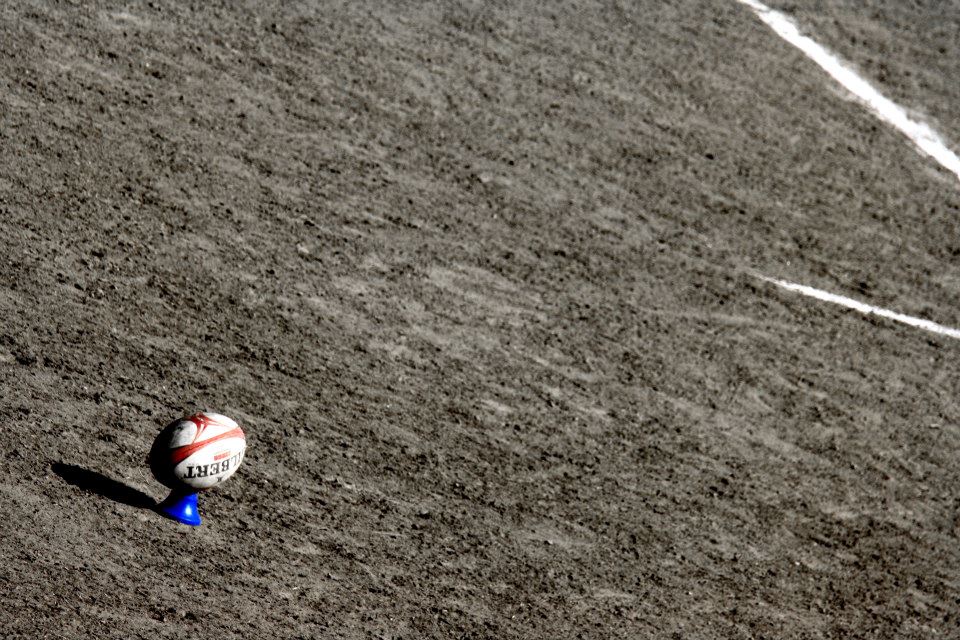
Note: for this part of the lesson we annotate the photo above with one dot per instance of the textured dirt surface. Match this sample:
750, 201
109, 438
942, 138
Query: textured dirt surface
907, 49
480, 283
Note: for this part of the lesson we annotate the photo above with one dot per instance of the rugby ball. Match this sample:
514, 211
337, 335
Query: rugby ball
197, 452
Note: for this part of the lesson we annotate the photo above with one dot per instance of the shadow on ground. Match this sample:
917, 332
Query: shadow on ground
101, 485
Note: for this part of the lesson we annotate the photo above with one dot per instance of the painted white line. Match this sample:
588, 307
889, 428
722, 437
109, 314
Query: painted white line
926, 139
865, 308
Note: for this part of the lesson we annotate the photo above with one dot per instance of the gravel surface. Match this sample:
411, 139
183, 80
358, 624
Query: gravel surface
480, 283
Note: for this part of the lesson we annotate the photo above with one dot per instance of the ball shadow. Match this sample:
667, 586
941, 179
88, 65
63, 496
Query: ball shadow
101, 485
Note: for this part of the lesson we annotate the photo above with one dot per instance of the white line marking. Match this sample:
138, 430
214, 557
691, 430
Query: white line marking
865, 308
926, 139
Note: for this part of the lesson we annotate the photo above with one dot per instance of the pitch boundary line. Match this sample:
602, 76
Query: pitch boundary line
864, 308
922, 135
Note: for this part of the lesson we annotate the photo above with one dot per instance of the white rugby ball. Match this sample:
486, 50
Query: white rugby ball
197, 452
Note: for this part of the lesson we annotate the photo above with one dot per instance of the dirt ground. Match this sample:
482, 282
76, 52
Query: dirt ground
481, 283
